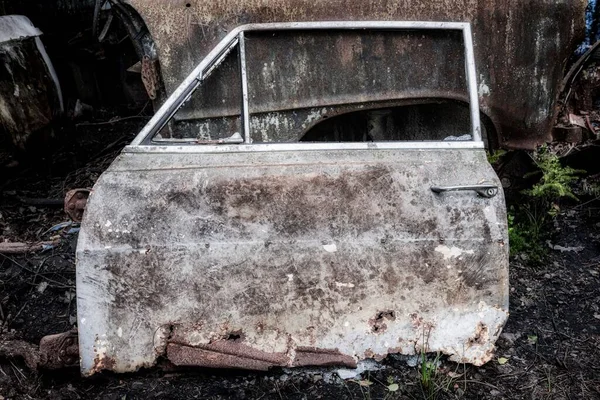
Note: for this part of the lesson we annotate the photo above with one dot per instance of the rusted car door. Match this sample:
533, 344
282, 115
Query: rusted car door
253, 255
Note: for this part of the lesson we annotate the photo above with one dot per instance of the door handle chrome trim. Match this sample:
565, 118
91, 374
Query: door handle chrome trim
487, 191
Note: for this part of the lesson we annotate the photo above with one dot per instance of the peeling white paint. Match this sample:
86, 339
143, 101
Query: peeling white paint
342, 284
101, 347
314, 115
450, 252
362, 366
330, 248
484, 89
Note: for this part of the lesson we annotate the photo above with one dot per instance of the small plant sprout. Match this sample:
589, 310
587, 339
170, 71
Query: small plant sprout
556, 180
392, 385
526, 226
496, 156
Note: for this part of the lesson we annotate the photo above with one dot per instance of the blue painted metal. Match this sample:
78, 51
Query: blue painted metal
592, 33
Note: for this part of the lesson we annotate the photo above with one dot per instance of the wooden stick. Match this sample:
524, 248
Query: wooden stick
20, 248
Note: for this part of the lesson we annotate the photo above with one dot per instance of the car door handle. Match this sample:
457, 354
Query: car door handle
487, 191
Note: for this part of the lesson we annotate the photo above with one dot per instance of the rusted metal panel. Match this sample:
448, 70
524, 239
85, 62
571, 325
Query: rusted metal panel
295, 71
59, 351
150, 76
520, 45
299, 70
75, 201
255, 259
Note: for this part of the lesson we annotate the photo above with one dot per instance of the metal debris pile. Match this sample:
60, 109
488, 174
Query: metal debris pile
579, 101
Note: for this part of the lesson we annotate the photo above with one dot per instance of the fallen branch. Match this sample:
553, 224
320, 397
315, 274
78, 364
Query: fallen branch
20, 248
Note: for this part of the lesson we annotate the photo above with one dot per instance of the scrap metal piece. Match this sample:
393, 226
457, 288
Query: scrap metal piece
59, 351
224, 354
20, 248
233, 352
311, 356
150, 76
75, 203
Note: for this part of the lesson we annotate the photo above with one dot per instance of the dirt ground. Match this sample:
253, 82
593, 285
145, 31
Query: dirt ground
550, 347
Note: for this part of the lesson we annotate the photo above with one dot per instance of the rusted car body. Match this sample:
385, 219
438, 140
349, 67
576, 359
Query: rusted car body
521, 48
254, 240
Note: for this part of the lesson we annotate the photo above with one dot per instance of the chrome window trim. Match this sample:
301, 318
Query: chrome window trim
262, 147
236, 36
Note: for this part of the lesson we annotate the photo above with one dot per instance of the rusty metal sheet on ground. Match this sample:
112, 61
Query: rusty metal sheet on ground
280, 258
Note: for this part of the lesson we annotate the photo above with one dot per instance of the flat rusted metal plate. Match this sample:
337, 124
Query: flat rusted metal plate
520, 46
258, 259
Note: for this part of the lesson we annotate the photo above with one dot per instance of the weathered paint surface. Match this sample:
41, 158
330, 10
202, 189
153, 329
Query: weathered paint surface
292, 87
520, 45
257, 259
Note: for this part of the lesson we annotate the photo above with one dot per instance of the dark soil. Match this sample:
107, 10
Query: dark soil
550, 347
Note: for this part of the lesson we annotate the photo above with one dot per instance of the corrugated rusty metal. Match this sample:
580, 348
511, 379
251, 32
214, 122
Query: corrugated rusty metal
520, 46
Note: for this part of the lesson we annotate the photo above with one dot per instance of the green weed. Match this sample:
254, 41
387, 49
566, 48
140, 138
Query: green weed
428, 372
526, 225
525, 231
556, 181
494, 158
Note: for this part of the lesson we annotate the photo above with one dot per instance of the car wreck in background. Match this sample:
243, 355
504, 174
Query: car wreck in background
521, 50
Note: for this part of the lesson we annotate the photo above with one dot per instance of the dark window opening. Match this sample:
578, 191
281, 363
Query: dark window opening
421, 122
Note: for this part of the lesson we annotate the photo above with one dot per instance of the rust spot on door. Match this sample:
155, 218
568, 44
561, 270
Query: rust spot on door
378, 323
